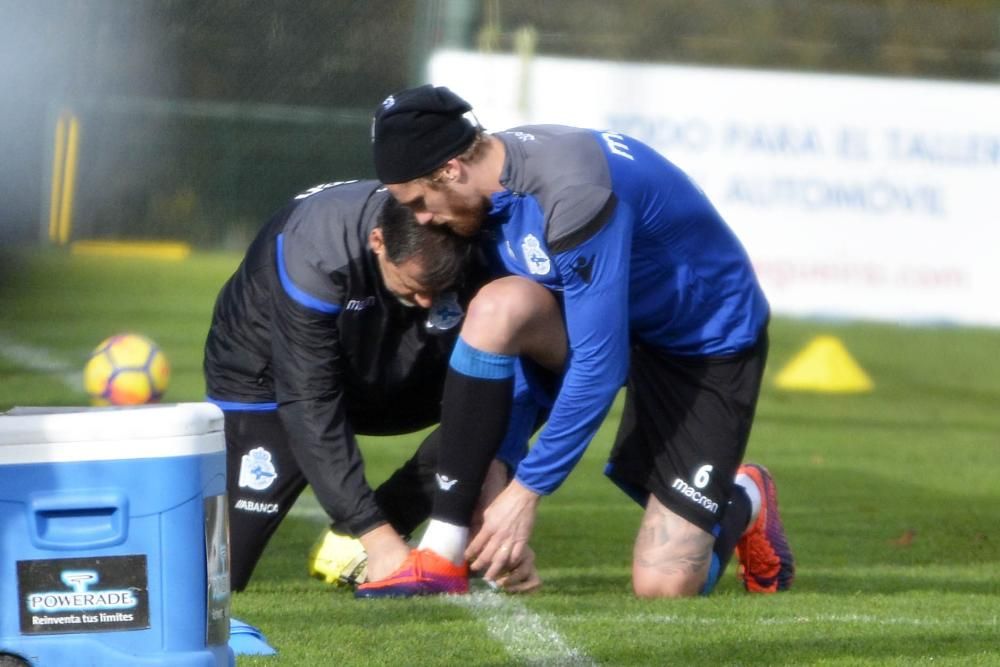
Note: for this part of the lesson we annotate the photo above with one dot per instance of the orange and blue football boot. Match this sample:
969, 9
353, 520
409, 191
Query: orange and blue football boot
766, 562
422, 573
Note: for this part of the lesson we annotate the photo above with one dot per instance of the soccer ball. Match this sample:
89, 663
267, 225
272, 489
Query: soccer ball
126, 369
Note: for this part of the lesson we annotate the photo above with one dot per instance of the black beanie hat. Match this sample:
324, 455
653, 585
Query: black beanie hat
417, 130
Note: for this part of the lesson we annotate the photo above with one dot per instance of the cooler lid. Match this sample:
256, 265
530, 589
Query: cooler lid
30, 434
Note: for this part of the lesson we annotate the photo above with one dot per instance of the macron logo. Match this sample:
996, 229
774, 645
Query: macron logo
616, 144
444, 482
361, 304
584, 267
695, 495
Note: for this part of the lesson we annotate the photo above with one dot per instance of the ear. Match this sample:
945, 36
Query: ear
452, 170
376, 242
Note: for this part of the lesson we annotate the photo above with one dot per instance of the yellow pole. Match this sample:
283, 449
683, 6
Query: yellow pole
57, 171
69, 180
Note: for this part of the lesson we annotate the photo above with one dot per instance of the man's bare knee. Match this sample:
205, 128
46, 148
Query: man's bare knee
513, 315
659, 586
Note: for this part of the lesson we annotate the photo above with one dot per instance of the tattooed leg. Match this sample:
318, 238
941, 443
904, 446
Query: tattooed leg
671, 556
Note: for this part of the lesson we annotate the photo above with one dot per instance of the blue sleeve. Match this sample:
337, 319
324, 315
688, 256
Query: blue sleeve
596, 297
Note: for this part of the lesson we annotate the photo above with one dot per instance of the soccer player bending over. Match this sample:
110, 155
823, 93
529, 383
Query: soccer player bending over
339, 321
606, 240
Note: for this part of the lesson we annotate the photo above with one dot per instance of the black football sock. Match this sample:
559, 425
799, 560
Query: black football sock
475, 412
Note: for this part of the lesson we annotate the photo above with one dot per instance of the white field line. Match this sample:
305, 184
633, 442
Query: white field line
40, 359
526, 635
826, 619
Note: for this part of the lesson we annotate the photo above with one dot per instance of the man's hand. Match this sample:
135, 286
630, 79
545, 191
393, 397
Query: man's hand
500, 544
386, 551
521, 577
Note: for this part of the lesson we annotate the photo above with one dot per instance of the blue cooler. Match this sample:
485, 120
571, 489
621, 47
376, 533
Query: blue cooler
114, 537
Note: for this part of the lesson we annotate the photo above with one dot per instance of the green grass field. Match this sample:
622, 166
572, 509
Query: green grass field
891, 500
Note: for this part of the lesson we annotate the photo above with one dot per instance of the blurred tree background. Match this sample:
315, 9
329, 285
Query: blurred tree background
197, 118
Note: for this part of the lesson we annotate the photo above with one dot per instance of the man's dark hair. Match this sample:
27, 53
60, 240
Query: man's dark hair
443, 255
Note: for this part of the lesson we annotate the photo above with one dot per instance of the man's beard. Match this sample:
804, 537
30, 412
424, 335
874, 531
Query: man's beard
466, 219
